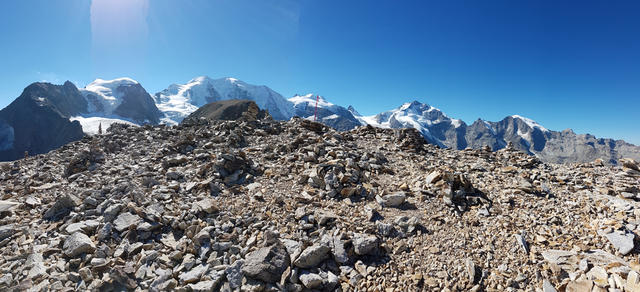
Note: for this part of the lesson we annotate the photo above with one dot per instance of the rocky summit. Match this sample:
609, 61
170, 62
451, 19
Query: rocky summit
297, 206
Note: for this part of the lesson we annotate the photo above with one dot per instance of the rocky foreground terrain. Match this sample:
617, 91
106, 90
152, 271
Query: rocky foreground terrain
297, 206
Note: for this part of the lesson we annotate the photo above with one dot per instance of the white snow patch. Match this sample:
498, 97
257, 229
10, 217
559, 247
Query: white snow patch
311, 100
531, 123
456, 122
90, 125
331, 117
371, 120
493, 131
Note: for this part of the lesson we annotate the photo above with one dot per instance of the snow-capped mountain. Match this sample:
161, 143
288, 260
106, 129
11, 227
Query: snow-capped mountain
119, 100
525, 134
328, 113
46, 116
180, 100
434, 125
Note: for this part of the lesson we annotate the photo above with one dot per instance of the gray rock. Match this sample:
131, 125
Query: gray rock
311, 280
32, 201
194, 274
621, 241
267, 264
471, 270
525, 186
364, 244
7, 205
105, 231
340, 254
392, 200
83, 226
125, 221
111, 212
234, 274
633, 282
61, 207
332, 281
5, 281
76, 244
294, 248
33, 259
557, 257
37, 270
325, 217
7, 231
203, 286
522, 243
433, 177
312, 256
207, 205
547, 287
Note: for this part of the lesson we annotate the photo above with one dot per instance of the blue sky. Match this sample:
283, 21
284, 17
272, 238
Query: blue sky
565, 64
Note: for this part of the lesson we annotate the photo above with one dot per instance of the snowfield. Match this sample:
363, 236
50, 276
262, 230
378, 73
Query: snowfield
90, 124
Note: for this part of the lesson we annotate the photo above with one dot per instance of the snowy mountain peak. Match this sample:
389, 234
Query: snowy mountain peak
414, 105
101, 84
199, 79
180, 100
105, 95
118, 100
353, 111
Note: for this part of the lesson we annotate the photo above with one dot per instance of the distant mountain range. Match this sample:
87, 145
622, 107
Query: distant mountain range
46, 116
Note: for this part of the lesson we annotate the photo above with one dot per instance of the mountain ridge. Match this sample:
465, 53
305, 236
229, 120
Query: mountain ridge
124, 100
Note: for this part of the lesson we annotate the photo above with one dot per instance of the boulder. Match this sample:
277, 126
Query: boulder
194, 274
621, 241
267, 264
126, 220
312, 256
77, 244
62, 207
392, 200
364, 244
311, 280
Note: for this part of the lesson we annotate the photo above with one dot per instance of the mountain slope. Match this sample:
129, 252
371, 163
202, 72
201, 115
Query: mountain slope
38, 120
180, 100
328, 113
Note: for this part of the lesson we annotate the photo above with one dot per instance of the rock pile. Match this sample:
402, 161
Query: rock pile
297, 206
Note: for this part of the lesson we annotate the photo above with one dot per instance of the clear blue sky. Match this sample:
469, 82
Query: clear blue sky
565, 64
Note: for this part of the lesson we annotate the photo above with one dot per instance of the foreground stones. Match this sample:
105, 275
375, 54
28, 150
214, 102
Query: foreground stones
296, 206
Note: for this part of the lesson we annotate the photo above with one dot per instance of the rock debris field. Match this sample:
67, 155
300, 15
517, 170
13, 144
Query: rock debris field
298, 206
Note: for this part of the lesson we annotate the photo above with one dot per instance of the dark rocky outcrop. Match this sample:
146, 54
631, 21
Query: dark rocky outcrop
226, 110
38, 120
137, 105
